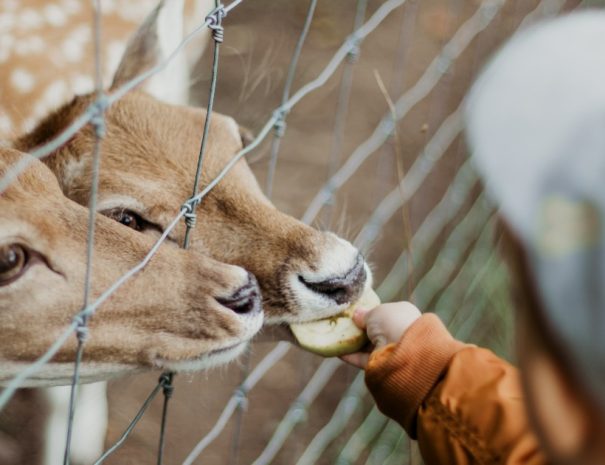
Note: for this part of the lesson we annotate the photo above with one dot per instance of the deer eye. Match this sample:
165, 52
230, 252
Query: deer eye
127, 218
13, 262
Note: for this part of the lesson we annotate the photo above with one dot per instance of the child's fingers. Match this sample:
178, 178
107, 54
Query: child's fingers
358, 359
387, 322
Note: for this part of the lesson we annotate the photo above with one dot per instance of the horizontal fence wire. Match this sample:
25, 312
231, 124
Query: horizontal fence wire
298, 409
94, 112
346, 408
478, 22
450, 129
442, 139
351, 42
439, 66
100, 105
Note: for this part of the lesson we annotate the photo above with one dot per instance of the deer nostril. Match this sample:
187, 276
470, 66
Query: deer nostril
246, 300
341, 289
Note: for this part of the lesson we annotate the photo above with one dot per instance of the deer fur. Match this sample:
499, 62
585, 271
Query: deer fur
148, 160
148, 157
47, 52
167, 316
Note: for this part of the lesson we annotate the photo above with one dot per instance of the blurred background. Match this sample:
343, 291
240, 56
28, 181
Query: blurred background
414, 206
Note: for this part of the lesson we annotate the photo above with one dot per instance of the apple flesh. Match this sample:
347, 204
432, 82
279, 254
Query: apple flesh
337, 335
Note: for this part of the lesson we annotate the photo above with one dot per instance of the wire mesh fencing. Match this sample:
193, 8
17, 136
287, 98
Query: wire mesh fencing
446, 259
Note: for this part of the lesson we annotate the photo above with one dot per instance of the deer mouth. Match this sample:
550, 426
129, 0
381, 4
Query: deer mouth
314, 295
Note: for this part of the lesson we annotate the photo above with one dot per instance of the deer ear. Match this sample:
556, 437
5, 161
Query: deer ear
151, 44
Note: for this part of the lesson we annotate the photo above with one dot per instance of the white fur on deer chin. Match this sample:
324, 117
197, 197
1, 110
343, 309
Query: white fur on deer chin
60, 374
213, 359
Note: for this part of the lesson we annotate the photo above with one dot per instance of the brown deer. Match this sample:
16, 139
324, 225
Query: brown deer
148, 160
182, 311
46, 55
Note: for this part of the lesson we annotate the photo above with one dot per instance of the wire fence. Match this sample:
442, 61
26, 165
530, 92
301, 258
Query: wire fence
465, 253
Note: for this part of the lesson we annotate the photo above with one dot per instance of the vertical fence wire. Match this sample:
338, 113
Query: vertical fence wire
438, 67
280, 123
279, 131
133, 423
214, 20
451, 140
98, 122
94, 115
167, 391
282, 348
342, 106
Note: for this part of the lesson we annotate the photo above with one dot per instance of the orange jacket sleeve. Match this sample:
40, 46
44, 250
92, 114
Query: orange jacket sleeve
462, 403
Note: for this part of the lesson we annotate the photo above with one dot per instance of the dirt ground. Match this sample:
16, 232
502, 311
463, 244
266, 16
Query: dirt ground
259, 38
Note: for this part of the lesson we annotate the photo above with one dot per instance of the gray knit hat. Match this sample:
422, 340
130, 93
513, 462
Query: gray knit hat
536, 126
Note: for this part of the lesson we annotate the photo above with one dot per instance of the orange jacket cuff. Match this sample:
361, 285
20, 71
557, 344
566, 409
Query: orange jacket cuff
401, 375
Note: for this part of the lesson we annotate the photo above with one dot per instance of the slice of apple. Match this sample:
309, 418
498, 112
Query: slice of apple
337, 335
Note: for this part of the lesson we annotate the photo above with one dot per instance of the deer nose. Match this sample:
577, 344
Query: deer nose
341, 289
246, 300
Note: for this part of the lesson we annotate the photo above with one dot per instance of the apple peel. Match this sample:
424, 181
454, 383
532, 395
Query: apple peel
337, 335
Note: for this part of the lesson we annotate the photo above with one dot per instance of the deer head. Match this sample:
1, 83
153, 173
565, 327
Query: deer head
149, 156
182, 311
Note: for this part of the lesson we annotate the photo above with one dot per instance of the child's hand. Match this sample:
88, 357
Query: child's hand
385, 324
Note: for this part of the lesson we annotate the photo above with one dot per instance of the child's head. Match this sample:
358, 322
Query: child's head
536, 124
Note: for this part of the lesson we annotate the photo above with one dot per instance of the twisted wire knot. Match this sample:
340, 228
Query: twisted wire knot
97, 110
166, 383
353, 54
215, 19
355, 50
190, 215
241, 395
82, 331
280, 123
190, 219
